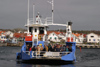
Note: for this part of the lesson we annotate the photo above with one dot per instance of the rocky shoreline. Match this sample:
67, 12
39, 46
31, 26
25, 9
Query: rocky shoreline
11, 44
77, 46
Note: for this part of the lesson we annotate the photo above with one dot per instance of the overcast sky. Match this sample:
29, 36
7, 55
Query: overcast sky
85, 14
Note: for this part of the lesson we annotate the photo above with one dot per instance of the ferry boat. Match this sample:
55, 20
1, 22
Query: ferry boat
36, 47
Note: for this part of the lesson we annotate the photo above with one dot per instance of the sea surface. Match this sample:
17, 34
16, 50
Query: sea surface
85, 58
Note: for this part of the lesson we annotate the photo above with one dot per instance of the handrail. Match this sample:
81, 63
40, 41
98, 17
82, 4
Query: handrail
39, 54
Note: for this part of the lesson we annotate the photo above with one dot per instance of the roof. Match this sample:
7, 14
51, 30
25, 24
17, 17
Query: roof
2, 32
76, 34
56, 32
17, 35
84, 35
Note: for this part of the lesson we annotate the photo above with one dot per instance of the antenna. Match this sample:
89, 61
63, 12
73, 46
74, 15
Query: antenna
28, 13
28, 17
52, 10
52, 3
33, 13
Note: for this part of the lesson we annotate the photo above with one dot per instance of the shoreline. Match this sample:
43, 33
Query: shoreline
77, 46
11, 44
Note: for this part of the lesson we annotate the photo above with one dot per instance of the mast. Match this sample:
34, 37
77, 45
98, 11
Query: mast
33, 13
52, 10
52, 3
28, 18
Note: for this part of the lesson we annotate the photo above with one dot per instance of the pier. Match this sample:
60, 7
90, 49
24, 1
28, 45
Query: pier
87, 46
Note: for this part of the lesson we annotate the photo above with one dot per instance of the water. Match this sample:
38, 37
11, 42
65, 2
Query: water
86, 58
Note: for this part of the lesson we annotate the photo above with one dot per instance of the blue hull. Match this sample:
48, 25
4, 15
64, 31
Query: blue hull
70, 57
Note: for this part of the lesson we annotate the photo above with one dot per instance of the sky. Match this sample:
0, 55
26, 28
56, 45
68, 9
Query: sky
85, 14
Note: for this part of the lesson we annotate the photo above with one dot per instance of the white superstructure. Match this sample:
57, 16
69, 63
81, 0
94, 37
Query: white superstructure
38, 26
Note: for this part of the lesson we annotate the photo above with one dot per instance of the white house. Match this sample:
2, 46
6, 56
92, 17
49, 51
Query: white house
93, 38
3, 37
62, 36
10, 34
78, 38
25, 31
14, 40
53, 37
20, 32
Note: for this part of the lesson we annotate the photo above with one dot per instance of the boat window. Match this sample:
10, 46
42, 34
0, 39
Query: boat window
35, 30
41, 30
68, 29
30, 29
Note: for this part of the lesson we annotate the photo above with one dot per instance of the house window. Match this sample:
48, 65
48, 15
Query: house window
1, 37
60, 38
55, 38
89, 39
92, 36
53, 34
93, 39
4, 37
50, 37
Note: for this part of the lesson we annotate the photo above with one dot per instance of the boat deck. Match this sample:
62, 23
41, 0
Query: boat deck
46, 55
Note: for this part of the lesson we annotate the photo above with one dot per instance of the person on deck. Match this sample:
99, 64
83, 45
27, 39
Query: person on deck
67, 48
49, 48
27, 47
62, 48
41, 48
45, 48
58, 49
30, 48
53, 49
33, 49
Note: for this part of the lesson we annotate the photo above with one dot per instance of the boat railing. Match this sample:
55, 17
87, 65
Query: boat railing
46, 21
41, 22
45, 54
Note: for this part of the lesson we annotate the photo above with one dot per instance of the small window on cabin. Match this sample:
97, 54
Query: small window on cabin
68, 29
41, 30
35, 30
92, 36
68, 32
30, 30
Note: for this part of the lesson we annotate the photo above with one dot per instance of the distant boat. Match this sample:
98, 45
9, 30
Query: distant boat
36, 48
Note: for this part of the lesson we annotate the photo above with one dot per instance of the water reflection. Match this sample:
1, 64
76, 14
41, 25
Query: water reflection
35, 65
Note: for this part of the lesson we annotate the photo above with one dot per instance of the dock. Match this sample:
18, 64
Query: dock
87, 46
